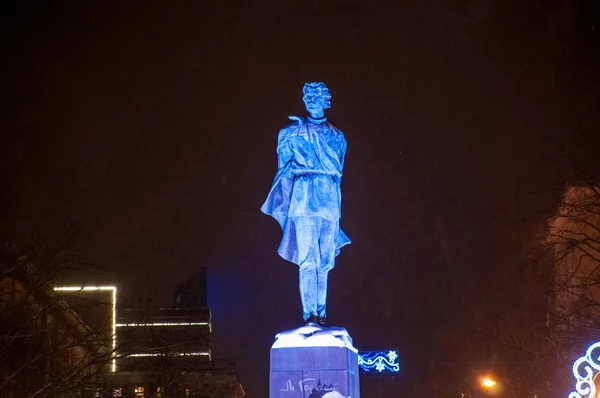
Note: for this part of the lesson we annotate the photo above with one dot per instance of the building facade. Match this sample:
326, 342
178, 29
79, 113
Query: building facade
574, 239
45, 347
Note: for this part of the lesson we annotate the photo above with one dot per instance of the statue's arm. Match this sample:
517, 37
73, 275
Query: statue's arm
341, 151
284, 148
284, 153
343, 146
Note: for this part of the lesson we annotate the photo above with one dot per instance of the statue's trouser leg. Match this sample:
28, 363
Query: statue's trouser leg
321, 293
327, 231
308, 292
308, 257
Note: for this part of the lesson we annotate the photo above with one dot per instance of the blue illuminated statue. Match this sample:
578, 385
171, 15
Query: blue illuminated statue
305, 198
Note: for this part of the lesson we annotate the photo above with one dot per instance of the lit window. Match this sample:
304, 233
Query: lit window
139, 392
118, 392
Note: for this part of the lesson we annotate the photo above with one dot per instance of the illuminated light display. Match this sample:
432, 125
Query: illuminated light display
122, 325
585, 369
378, 361
113, 289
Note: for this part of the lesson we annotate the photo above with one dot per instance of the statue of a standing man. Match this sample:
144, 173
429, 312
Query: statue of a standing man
306, 199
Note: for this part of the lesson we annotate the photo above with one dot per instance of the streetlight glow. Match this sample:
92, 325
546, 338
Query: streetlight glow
488, 383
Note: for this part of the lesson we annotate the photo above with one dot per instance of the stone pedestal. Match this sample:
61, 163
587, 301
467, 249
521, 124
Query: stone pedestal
314, 362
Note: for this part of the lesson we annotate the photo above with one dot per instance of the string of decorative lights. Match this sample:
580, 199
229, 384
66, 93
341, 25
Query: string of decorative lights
585, 369
379, 361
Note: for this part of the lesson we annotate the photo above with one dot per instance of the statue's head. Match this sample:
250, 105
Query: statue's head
316, 98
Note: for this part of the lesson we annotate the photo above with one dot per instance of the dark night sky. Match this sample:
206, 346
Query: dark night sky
150, 127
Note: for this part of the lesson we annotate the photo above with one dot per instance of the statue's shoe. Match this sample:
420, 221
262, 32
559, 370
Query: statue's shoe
321, 321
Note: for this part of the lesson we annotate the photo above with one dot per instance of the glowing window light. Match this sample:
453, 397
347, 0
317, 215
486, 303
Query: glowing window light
139, 392
585, 369
127, 325
114, 311
378, 361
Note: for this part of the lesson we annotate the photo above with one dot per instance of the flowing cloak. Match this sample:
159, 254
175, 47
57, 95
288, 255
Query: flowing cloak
303, 154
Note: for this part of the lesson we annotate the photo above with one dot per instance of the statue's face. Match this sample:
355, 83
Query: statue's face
315, 103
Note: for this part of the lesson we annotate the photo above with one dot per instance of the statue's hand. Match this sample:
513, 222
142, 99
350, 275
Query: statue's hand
296, 119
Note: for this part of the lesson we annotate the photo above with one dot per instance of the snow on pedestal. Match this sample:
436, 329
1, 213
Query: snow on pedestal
312, 335
333, 394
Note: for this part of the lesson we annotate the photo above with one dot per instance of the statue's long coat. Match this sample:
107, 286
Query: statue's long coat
307, 154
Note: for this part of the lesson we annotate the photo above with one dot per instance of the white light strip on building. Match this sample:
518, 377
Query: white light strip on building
114, 310
114, 329
122, 325
179, 354
85, 288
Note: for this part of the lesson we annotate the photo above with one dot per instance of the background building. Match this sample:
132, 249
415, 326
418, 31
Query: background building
166, 351
574, 239
575, 242
46, 349
76, 341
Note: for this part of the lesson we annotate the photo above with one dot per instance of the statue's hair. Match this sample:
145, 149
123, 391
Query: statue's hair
321, 88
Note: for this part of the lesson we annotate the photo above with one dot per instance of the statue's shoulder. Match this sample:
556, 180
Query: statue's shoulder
292, 128
336, 131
